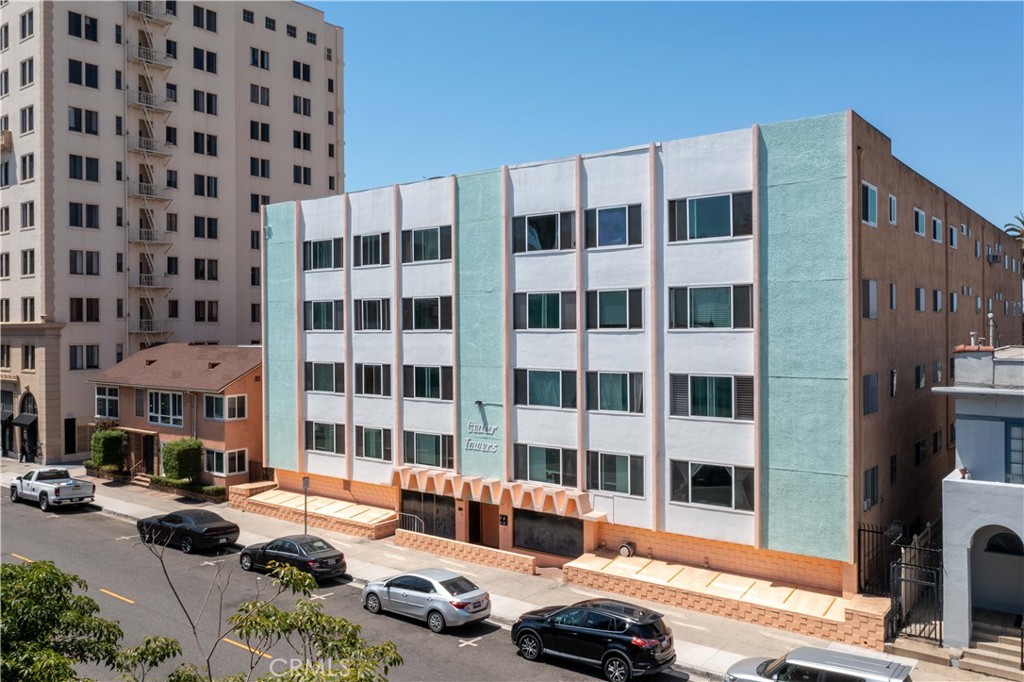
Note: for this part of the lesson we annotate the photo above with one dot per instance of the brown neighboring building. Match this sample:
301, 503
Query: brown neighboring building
179, 390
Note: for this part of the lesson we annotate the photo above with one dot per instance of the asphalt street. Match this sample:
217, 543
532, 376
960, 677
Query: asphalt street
127, 582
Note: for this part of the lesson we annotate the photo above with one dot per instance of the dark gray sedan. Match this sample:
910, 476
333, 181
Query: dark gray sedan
190, 529
306, 552
441, 598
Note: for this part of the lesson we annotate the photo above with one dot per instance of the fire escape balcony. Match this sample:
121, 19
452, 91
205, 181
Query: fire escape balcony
151, 11
145, 235
146, 280
147, 145
146, 190
141, 54
149, 100
149, 327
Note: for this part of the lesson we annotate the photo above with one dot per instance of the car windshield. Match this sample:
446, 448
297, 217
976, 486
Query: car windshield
317, 545
459, 585
53, 475
200, 517
769, 668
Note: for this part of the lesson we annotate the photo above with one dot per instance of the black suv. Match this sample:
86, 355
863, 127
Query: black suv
622, 639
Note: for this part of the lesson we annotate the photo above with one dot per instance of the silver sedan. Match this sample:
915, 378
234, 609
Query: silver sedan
441, 598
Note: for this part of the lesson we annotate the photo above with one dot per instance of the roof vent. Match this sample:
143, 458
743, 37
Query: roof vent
150, 362
212, 365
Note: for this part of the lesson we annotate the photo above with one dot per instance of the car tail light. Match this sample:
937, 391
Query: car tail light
312, 563
56, 491
645, 643
459, 604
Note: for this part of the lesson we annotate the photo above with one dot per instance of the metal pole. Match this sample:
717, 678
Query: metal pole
305, 503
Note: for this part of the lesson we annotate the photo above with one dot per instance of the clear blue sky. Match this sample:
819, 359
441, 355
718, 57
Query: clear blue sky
440, 88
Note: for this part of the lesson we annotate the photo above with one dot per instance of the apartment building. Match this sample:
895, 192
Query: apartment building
140, 141
715, 350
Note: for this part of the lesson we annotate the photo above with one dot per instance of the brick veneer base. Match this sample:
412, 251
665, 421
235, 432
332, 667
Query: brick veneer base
858, 628
477, 554
240, 497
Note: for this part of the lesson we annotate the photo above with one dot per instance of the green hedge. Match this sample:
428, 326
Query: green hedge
107, 447
183, 459
185, 484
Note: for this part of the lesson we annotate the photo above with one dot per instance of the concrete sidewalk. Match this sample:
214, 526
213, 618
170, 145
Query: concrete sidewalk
706, 645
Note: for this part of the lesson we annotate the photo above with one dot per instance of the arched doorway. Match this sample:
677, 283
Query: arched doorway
997, 570
27, 423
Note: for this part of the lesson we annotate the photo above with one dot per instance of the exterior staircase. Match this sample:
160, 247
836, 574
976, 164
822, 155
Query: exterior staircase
140, 479
995, 650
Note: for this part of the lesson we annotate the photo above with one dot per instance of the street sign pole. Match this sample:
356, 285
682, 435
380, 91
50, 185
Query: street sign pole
305, 503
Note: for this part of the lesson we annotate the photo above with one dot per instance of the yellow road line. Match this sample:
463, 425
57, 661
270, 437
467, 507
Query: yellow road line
23, 558
116, 596
251, 651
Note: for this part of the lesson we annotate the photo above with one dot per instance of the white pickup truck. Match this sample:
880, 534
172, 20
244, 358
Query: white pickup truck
51, 487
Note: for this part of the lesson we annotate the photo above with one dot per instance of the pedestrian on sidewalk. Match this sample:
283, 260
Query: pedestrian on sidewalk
24, 453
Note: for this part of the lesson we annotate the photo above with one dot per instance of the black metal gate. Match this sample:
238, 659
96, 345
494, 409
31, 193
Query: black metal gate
874, 558
915, 588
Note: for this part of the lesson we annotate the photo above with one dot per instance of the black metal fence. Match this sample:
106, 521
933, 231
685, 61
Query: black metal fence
915, 586
874, 557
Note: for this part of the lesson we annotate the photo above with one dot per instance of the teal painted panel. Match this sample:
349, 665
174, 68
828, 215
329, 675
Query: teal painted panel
804, 317
280, 330
479, 235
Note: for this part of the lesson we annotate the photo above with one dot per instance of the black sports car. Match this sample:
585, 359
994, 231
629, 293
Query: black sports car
190, 529
306, 552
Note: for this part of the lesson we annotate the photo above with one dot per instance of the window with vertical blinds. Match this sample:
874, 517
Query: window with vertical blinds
722, 397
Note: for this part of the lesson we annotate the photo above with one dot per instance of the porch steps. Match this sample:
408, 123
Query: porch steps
995, 650
141, 480
914, 648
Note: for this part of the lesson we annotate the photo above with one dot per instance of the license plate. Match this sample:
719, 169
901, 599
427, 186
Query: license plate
331, 562
476, 604
222, 540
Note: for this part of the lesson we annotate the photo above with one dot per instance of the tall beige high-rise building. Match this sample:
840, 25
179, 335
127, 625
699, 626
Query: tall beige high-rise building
140, 140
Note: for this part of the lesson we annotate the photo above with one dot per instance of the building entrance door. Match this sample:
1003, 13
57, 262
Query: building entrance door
148, 455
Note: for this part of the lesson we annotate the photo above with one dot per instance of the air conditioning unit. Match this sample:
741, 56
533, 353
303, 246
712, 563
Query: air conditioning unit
867, 505
6, 140
627, 549
994, 258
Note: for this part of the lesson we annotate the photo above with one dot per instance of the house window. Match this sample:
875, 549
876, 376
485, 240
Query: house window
219, 408
323, 254
622, 309
373, 443
373, 379
715, 485
325, 437
165, 408
617, 226
328, 377
870, 389
954, 237
371, 249
724, 215
428, 449
427, 244
869, 204
548, 388
870, 487
936, 230
373, 314
711, 396
892, 209
426, 381
225, 463
323, 315
107, 402
892, 296
430, 313
555, 310
869, 299
936, 300
615, 473
1015, 453
919, 299
555, 466
953, 302
919, 220
615, 391
727, 307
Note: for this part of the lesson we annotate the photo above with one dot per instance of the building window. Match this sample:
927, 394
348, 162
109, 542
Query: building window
204, 102
724, 215
259, 168
310, 38
936, 230
553, 388
622, 309
28, 167
259, 58
28, 73
82, 26
326, 377
5, 354
28, 119
271, 24
300, 71
5, 310
28, 309
892, 383
429, 382
205, 269
204, 18
892, 296
870, 487
892, 209
617, 226
165, 408
323, 315
726, 307
920, 375
302, 175
953, 302
206, 311
919, 220
247, 16
371, 249
205, 186
428, 449
225, 463
259, 131
84, 310
107, 402
954, 238
221, 408
714, 485
552, 310
205, 228
1014, 452
919, 299
936, 300
869, 204
254, 314
301, 140
204, 60
869, 299
5, 265
554, 466
431, 313
711, 396
373, 314
204, 143
84, 262
615, 473
373, 443
27, 24
870, 389
615, 391
28, 357
254, 276
291, 31
427, 244
325, 437
373, 379
322, 254
259, 95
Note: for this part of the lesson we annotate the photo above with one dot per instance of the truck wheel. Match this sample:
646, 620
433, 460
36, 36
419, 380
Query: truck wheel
14, 494
44, 502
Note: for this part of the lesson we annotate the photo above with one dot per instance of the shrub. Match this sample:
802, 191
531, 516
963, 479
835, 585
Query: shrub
184, 484
183, 459
107, 447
